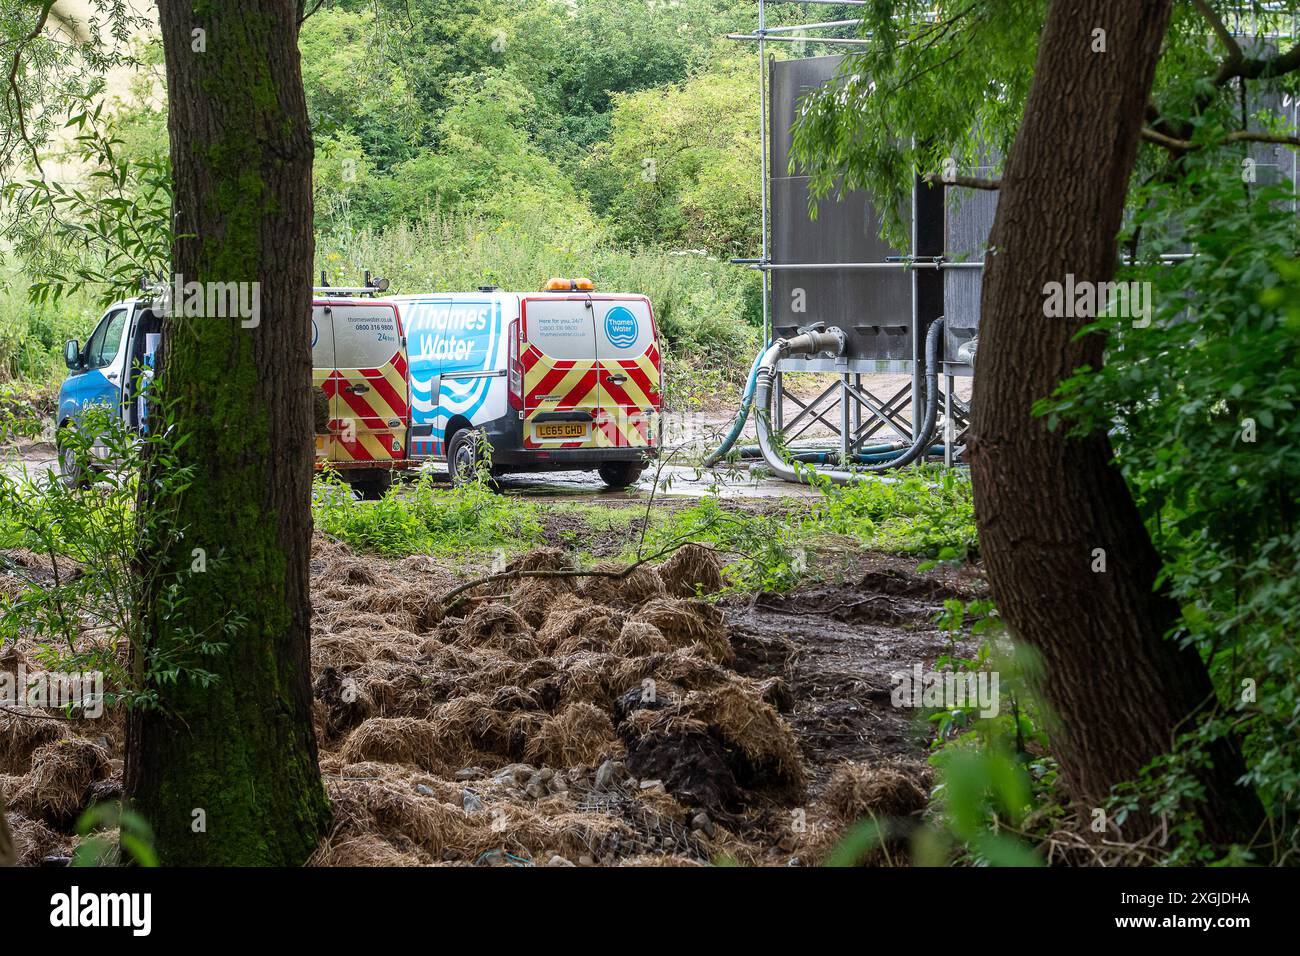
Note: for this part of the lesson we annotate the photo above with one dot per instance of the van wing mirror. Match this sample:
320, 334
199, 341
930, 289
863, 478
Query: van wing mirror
72, 354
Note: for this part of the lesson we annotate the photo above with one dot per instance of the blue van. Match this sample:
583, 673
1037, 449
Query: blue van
111, 370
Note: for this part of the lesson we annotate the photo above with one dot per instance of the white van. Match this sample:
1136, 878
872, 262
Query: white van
563, 379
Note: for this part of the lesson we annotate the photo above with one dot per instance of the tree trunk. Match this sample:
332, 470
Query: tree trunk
8, 852
1045, 503
227, 774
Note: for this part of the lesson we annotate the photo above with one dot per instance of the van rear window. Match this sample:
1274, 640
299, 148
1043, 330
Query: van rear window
560, 328
624, 329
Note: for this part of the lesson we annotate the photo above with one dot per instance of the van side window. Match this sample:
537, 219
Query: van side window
104, 341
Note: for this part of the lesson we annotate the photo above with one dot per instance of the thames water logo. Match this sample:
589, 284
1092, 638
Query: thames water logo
620, 327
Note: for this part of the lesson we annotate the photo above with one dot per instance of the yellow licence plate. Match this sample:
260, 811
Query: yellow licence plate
562, 430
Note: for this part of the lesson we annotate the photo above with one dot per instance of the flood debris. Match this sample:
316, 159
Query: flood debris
58, 785
858, 792
585, 719
542, 721
693, 570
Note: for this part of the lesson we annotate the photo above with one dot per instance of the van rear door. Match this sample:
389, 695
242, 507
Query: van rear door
627, 350
367, 390
558, 354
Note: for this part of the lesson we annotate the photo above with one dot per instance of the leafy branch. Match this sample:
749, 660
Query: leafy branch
106, 235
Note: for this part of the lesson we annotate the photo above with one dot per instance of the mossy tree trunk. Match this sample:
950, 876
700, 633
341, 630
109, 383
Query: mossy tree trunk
227, 773
8, 852
1070, 563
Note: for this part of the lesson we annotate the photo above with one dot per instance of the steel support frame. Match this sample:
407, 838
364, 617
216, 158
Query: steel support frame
863, 414
853, 397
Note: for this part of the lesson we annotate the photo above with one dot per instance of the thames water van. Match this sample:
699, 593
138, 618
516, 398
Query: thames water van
564, 379
112, 369
359, 371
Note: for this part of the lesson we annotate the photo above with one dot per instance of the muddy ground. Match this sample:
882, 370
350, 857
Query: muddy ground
834, 643
836, 646
570, 720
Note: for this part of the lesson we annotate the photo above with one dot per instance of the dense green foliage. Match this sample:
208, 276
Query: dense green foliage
32, 334
457, 143
465, 105
1201, 406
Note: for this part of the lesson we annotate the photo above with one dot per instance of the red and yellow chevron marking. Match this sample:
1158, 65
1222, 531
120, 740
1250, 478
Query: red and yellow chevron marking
319, 376
626, 414
552, 385
573, 381
359, 428
365, 447
623, 428
630, 412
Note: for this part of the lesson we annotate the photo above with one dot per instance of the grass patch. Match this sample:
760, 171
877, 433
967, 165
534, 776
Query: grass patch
925, 511
427, 519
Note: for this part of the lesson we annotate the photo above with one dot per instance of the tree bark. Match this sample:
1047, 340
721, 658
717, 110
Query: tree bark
1120, 691
8, 852
227, 774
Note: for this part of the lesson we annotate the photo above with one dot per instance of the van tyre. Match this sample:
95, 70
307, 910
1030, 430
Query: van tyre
465, 456
372, 485
71, 472
620, 474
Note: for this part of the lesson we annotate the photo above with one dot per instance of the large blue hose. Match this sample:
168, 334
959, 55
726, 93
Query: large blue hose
738, 425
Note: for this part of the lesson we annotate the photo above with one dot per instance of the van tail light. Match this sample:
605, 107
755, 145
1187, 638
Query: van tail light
515, 368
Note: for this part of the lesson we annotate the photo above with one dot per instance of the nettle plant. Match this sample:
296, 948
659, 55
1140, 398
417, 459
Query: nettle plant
80, 592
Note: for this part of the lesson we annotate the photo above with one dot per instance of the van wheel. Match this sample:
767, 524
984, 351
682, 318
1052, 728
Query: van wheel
465, 456
71, 473
620, 474
372, 485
